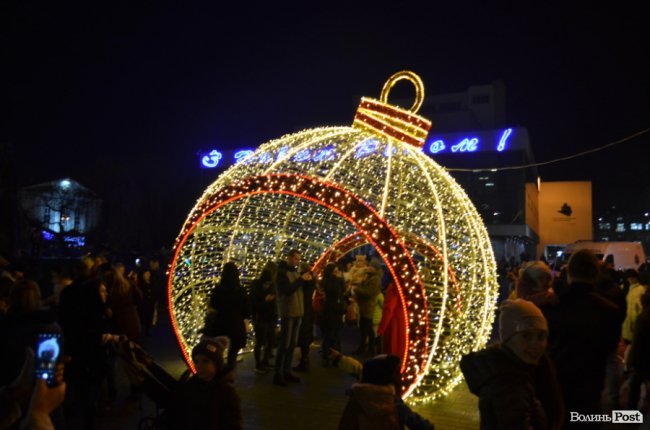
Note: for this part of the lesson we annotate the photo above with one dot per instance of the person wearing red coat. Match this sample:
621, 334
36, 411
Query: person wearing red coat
392, 326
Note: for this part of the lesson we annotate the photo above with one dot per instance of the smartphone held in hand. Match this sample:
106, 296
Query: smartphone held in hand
48, 352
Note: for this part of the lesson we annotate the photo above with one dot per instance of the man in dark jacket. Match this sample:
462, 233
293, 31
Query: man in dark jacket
584, 329
291, 306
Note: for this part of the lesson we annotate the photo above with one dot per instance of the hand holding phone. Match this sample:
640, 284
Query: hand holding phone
48, 353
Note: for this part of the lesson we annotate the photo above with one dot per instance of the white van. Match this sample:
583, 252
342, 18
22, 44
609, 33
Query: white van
623, 255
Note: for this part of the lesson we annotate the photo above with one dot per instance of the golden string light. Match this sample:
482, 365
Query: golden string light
328, 190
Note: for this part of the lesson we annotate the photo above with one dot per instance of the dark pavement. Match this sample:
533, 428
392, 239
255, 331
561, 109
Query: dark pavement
315, 403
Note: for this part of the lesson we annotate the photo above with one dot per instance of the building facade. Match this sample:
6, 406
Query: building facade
58, 216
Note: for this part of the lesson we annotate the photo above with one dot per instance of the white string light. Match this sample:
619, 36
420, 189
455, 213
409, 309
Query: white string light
321, 190
556, 160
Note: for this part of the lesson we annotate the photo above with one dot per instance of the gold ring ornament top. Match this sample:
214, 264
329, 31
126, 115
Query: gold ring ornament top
411, 77
393, 121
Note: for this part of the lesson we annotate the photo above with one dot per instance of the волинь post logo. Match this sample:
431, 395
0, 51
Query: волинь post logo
616, 417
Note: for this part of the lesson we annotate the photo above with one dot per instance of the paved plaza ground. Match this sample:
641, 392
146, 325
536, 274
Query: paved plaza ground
314, 403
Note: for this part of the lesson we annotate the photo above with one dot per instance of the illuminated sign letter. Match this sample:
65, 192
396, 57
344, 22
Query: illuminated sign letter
366, 148
303, 155
240, 155
282, 152
504, 139
265, 158
211, 160
437, 146
466, 145
392, 151
325, 154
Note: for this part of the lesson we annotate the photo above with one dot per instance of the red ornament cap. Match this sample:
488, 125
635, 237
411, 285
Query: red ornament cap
378, 116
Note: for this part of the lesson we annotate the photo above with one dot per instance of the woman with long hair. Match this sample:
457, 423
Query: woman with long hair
230, 306
333, 287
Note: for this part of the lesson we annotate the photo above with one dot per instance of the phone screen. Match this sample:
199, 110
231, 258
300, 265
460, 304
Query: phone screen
48, 351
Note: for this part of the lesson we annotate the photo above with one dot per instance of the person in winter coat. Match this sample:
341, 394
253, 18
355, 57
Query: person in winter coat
584, 331
208, 400
122, 299
392, 328
514, 378
333, 287
230, 305
375, 402
638, 359
306, 332
264, 310
89, 366
535, 284
291, 306
147, 305
633, 304
366, 296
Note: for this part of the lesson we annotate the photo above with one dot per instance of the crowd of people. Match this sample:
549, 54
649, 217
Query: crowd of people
345, 294
95, 308
571, 343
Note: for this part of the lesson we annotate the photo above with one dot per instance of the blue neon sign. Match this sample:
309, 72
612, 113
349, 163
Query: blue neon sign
504, 139
282, 152
265, 158
366, 148
303, 155
466, 145
211, 160
241, 154
437, 146
325, 154
483, 141
495, 140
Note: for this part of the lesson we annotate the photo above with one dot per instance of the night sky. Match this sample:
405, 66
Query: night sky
120, 97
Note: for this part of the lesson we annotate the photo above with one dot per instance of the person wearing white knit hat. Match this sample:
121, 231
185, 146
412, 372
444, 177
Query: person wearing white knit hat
514, 378
523, 330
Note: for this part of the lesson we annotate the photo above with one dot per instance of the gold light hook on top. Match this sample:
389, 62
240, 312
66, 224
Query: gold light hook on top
411, 77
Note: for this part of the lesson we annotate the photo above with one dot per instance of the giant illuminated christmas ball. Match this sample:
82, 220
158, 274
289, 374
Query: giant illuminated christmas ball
328, 190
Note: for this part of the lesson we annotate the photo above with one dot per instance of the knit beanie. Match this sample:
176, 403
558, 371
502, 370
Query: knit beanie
213, 348
519, 315
380, 370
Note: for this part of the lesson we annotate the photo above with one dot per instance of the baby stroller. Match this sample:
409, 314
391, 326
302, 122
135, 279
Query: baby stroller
155, 382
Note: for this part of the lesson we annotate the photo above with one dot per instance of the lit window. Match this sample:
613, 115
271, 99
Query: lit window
604, 226
636, 226
489, 184
620, 227
647, 226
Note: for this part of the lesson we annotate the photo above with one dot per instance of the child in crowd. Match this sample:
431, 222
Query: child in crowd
208, 399
375, 402
514, 379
